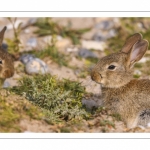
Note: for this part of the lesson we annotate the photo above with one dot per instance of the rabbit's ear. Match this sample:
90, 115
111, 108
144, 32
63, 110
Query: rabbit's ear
130, 42
138, 51
2, 35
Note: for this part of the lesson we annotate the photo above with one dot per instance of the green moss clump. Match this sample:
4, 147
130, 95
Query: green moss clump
59, 100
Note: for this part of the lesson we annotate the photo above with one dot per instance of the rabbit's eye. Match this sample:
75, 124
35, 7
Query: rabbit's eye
1, 62
111, 67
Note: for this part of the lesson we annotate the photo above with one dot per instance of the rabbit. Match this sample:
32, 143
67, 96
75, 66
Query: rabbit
6, 61
121, 93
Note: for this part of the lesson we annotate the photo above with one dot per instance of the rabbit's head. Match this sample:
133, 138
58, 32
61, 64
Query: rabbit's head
6, 60
115, 70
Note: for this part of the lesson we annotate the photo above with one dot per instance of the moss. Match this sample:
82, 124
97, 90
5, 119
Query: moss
8, 117
116, 116
59, 100
107, 123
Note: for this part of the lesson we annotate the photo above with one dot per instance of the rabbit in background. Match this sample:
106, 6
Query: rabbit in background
6, 61
121, 93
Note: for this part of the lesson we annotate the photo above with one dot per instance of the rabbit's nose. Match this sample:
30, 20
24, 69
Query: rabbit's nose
95, 76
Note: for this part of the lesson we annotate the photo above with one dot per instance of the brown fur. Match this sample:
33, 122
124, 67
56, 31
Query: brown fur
121, 93
6, 60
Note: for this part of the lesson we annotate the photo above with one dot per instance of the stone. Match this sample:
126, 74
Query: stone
102, 36
32, 42
104, 25
36, 66
89, 103
90, 44
137, 72
10, 82
85, 53
26, 58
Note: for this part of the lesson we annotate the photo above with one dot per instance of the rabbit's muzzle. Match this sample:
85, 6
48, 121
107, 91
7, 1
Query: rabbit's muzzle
7, 73
95, 76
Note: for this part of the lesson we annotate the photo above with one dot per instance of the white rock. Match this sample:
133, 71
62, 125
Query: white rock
89, 103
148, 125
74, 49
32, 42
144, 59
36, 66
93, 45
48, 39
137, 72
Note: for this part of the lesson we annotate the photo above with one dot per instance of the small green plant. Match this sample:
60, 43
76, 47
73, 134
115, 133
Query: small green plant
116, 116
52, 52
128, 27
107, 123
48, 27
59, 100
14, 44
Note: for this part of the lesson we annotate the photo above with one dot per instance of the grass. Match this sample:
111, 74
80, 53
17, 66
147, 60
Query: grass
13, 108
14, 43
59, 100
52, 52
48, 27
128, 27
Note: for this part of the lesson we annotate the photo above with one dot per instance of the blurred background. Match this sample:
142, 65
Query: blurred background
51, 90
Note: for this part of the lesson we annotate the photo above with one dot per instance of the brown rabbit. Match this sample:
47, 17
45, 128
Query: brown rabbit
6, 61
122, 93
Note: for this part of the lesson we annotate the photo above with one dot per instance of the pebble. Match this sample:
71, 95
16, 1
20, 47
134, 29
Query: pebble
72, 49
85, 53
89, 103
48, 39
144, 59
148, 125
137, 72
10, 82
26, 58
105, 25
93, 45
102, 36
32, 42
36, 66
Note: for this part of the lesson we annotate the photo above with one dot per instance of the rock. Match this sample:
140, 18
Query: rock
48, 39
10, 82
85, 53
93, 45
137, 72
26, 58
72, 49
105, 25
144, 59
32, 42
148, 125
89, 103
36, 66
102, 36
63, 43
